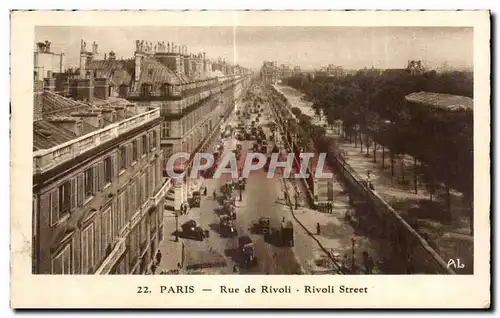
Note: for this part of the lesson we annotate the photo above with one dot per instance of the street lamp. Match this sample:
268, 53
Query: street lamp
353, 260
176, 226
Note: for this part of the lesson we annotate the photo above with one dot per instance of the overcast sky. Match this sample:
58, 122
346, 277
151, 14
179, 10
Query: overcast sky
308, 47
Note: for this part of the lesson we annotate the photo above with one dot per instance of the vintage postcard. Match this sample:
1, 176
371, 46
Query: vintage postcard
252, 159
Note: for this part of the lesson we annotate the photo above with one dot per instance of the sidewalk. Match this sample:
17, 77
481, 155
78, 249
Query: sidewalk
335, 233
449, 237
172, 252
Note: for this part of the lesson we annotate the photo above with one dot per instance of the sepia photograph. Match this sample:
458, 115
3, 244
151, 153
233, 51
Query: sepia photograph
256, 150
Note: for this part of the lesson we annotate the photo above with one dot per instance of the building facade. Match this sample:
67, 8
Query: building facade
193, 94
269, 72
98, 189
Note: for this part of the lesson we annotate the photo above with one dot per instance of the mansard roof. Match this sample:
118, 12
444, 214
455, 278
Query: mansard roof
119, 72
122, 72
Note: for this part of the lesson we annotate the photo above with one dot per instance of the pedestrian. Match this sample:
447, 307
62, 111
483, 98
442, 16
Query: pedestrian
368, 262
153, 268
205, 191
371, 263
318, 229
235, 268
215, 194
158, 257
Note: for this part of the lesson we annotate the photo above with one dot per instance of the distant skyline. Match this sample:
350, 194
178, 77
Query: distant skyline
308, 47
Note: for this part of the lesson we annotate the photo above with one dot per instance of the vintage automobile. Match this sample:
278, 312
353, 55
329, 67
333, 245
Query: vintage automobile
191, 229
195, 200
263, 225
247, 251
228, 209
226, 226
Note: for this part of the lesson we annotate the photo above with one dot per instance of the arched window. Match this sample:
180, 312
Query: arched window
165, 90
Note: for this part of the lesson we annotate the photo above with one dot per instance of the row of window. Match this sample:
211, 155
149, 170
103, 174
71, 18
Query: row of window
98, 238
139, 147
78, 191
96, 243
133, 196
193, 118
169, 90
188, 121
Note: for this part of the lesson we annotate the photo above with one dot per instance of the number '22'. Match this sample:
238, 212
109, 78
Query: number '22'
142, 289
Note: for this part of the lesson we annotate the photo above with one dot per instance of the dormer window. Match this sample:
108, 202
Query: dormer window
165, 90
146, 90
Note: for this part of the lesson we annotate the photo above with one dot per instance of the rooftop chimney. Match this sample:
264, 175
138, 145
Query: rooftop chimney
49, 84
132, 108
120, 111
92, 118
112, 56
109, 114
101, 88
82, 89
73, 124
37, 100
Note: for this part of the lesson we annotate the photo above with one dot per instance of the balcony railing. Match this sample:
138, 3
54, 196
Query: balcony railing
162, 192
120, 247
46, 159
184, 91
178, 106
112, 258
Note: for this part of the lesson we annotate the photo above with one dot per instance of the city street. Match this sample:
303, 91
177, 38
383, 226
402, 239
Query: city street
262, 197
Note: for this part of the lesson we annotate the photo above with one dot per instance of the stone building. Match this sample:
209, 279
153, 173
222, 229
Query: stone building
269, 72
193, 94
98, 189
285, 71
